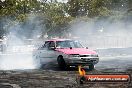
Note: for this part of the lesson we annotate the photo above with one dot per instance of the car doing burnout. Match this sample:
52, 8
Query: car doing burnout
67, 52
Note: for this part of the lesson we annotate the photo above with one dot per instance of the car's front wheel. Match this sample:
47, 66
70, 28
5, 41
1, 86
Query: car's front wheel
91, 67
61, 63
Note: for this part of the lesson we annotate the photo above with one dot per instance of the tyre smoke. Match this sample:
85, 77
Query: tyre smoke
18, 46
102, 33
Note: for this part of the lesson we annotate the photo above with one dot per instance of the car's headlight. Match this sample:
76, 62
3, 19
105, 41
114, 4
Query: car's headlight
95, 55
73, 56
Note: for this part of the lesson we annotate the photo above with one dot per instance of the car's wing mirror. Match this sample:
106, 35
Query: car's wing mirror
86, 47
53, 48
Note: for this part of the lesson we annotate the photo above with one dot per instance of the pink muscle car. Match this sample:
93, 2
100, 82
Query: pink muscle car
67, 53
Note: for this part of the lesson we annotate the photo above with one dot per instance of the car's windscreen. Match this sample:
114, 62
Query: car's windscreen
67, 44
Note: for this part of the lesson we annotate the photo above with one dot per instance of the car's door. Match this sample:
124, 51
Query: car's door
43, 53
51, 51
47, 53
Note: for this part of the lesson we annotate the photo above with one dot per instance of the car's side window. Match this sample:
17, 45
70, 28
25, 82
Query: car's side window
45, 46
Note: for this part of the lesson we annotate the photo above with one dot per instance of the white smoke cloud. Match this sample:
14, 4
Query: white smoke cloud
18, 53
102, 33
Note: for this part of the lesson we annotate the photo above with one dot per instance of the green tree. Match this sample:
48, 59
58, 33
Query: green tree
91, 8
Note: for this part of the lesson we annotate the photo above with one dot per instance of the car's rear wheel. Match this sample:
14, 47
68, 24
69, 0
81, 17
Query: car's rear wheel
37, 63
61, 63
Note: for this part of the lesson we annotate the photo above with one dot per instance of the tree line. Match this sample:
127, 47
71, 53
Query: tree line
56, 16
